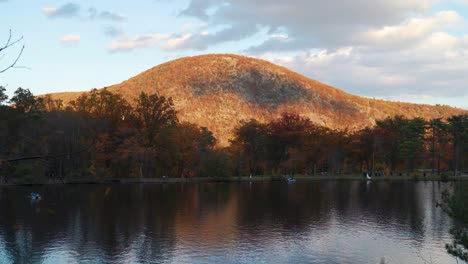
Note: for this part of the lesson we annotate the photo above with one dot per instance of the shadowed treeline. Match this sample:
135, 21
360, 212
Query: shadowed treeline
293, 144
101, 136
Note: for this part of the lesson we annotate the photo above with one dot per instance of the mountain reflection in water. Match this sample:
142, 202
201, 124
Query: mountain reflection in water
269, 222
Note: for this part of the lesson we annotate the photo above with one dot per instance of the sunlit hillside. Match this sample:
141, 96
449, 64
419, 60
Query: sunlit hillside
217, 91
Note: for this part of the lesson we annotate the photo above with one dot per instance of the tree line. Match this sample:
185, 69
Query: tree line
396, 145
100, 135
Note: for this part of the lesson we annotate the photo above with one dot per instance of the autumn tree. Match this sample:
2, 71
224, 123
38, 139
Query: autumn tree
316, 149
146, 143
154, 112
251, 138
25, 102
101, 135
103, 104
412, 141
458, 126
454, 203
3, 95
188, 147
339, 144
391, 129
361, 143
287, 133
438, 140
52, 105
214, 162
52, 144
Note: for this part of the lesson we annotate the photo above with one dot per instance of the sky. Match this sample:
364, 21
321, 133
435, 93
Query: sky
401, 50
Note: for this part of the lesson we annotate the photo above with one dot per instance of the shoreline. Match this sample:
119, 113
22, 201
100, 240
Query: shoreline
235, 179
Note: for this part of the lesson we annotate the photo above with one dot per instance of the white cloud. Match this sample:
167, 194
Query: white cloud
105, 15
309, 23
163, 41
435, 67
463, 2
414, 58
49, 10
125, 43
70, 39
281, 37
71, 10
376, 48
410, 32
66, 10
168, 42
175, 42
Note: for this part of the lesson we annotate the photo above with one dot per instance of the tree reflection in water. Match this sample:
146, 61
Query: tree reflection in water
328, 221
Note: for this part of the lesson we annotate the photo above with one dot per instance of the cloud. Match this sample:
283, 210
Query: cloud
310, 24
167, 42
410, 32
317, 23
70, 39
386, 49
125, 43
368, 47
434, 67
65, 11
105, 15
204, 39
306, 24
112, 31
71, 10
463, 2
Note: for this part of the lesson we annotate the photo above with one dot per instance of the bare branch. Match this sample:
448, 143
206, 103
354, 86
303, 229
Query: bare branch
8, 44
14, 63
48, 156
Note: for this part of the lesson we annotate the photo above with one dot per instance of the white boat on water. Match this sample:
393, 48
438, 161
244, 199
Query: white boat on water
35, 196
291, 179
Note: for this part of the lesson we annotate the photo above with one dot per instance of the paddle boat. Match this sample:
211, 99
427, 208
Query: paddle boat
35, 196
291, 179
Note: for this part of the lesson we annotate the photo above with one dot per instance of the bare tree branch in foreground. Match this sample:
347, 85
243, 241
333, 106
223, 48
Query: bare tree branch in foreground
7, 45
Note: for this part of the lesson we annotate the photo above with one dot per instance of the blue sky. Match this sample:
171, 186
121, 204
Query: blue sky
406, 50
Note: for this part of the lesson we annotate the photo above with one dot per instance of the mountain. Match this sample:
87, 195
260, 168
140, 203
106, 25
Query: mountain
217, 91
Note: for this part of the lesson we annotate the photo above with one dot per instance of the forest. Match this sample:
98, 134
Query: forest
101, 136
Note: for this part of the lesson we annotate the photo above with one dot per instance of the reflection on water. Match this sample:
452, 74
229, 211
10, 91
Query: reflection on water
260, 222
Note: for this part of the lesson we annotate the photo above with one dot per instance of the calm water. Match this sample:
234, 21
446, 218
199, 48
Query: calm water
262, 222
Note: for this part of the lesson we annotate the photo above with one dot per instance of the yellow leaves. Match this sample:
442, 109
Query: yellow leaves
92, 169
107, 191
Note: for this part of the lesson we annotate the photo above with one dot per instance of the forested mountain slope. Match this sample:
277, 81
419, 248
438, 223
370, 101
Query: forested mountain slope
217, 91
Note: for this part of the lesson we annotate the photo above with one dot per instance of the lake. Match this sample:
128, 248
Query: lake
258, 222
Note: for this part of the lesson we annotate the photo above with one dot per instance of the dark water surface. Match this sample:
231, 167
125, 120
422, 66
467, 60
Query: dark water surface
260, 222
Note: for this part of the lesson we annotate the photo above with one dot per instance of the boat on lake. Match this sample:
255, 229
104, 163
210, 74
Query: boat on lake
291, 179
35, 196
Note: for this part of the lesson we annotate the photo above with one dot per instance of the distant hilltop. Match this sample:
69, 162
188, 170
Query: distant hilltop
218, 90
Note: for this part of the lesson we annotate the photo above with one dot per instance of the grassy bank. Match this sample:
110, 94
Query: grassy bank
347, 177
